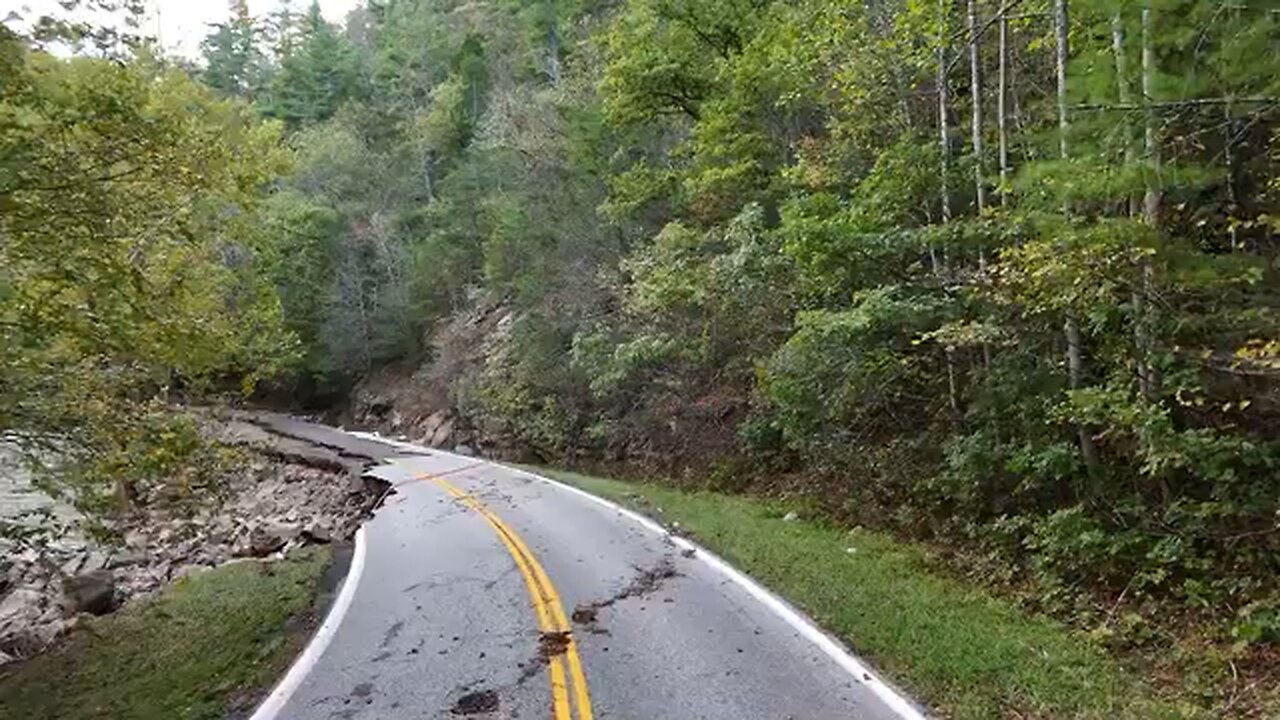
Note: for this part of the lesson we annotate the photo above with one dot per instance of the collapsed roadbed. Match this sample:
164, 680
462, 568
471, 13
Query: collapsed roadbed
294, 488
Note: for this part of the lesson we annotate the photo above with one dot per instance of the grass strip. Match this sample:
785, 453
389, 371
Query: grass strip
204, 648
968, 654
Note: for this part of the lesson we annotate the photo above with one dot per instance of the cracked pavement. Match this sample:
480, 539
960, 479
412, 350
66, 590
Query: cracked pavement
441, 624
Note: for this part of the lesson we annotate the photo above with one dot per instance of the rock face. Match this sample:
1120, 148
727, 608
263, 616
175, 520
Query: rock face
288, 495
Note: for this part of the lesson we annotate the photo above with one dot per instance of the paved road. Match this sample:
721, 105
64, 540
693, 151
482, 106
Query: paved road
484, 592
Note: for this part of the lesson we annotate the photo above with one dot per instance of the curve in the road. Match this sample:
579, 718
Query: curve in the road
409, 631
279, 697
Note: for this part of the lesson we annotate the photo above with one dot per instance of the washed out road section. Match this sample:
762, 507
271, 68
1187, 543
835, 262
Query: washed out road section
441, 624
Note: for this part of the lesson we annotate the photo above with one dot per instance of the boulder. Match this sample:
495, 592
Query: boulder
320, 530
433, 423
441, 436
92, 592
269, 537
463, 450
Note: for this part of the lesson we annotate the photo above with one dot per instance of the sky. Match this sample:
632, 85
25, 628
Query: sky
181, 24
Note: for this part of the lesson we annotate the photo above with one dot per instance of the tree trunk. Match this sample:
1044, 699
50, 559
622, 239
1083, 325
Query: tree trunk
944, 129
1075, 379
1060, 35
944, 138
1151, 201
975, 93
1071, 328
1139, 295
1002, 110
1151, 213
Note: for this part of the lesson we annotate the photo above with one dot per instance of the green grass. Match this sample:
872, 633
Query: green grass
955, 647
205, 646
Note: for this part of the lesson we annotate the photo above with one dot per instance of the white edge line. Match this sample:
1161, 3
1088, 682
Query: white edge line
834, 649
284, 690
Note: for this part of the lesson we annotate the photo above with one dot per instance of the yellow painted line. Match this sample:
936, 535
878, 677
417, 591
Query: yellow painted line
546, 604
580, 695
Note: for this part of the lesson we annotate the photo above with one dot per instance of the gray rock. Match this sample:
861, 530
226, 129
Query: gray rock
125, 558
791, 516
320, 530
91, 592
463, 450
441, 436
269, 537
73, 564
95, 560
6, 658
433, 422
19, 609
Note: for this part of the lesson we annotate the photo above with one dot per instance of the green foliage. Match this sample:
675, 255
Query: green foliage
132, 266
724, 233
317, 73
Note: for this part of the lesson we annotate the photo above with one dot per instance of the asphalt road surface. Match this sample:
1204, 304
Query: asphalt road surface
479, 591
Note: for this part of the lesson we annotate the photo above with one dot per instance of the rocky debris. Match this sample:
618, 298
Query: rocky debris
646, 582
21, 606
267, 537
93, 592
476, 703
437, 429
552, 644
792, 516
284, 498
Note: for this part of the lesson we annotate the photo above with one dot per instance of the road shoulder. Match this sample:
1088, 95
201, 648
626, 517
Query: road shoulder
970, 655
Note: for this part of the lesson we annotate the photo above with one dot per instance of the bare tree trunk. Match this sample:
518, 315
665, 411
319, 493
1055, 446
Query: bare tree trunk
944, 131
1002, 110
1060, 35
1139, 295
1071, 327
944, 128
1233, 192
1229, 151
944, 137
975, 93
1151, 212
1126, 97
1075, 378
1151, 202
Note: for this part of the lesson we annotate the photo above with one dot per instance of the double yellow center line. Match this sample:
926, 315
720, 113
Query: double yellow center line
546, 606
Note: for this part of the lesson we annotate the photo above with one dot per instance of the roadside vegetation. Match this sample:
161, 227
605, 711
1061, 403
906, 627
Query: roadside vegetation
207, 648
956, 647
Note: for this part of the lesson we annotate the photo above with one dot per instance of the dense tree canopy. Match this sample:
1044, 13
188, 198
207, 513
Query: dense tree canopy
1002, 272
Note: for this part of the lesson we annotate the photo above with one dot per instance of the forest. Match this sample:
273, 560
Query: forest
1002, 276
